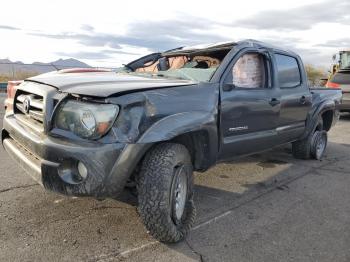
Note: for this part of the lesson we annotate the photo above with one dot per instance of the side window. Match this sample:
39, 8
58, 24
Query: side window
288, 71
249, 71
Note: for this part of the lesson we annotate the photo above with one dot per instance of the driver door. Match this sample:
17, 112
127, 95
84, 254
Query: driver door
250, 105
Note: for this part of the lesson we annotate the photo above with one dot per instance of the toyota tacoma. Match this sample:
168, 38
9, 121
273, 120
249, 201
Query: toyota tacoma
156, 120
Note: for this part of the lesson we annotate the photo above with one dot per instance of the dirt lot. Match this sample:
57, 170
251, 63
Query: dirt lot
269, 207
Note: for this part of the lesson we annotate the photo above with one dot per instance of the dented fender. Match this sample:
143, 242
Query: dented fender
160, 115
175, 125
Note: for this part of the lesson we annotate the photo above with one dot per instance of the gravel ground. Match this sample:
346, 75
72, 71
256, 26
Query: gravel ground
268, 207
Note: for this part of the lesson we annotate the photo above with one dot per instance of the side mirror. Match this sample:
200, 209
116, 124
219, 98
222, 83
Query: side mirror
228, 87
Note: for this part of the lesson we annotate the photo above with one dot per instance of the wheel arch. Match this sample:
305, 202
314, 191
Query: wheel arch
196, 130
326, 111
200, 146
327, 117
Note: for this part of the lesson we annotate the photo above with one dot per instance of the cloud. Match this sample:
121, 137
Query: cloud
103, 54
299, 18
154, 35
88, 28
113, 52
171, 33
95, 40
313, 55
316, 58
7, 27
284, 43
84, 55
186, 30
338, 43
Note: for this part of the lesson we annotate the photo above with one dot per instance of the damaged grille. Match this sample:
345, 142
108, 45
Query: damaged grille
29, 109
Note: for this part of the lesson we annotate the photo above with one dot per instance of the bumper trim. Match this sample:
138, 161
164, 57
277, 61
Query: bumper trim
109, 165
30, 163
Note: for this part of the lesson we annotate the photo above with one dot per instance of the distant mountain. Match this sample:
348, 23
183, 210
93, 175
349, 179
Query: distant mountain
8, 67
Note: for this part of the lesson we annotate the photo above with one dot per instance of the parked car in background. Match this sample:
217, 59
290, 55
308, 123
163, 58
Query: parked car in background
340, 78
10, 91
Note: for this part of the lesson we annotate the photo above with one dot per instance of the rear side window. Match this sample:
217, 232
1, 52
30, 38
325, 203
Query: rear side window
288, 71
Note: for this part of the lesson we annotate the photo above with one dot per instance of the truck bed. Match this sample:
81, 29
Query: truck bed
323, 92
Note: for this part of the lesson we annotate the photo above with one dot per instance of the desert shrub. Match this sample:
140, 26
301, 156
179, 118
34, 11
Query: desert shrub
17, 75
315, 74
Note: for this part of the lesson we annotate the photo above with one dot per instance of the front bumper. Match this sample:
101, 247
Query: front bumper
47, 158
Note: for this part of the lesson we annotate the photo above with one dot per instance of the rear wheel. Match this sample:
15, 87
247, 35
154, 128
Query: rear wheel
165, 192
313, 146
318, 144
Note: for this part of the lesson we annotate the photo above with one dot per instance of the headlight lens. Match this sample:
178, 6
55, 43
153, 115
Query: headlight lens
87, 120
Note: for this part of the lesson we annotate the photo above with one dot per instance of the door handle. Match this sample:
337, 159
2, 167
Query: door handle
302, 100
274, 102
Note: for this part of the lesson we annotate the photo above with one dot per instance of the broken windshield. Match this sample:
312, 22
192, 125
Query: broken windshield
193, 74
185, 63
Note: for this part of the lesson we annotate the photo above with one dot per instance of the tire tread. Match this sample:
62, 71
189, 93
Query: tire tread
155, 176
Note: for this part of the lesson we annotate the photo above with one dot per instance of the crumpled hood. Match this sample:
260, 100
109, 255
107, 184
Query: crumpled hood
104, 84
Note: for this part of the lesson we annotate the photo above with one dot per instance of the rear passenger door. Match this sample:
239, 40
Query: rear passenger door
295, 96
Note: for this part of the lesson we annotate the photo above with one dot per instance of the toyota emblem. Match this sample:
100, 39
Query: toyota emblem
26, 105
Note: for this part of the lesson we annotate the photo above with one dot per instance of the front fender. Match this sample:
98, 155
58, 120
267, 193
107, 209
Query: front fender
181, 114
177, 124
162, 114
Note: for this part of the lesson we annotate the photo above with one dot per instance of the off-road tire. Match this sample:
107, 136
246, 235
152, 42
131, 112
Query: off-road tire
154, 185
301, 149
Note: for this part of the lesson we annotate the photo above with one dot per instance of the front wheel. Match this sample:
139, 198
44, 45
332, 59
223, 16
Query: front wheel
165, 192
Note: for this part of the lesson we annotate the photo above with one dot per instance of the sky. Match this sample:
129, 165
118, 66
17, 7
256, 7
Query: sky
112, 33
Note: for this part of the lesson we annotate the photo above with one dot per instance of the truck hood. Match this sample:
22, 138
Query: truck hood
104, 84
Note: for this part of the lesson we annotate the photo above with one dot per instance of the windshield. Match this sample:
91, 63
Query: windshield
197, 65
345, 60
193, 74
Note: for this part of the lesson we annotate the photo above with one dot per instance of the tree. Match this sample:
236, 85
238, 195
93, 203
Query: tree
315, 74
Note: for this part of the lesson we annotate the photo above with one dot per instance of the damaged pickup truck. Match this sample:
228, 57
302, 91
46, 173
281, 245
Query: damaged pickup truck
87, 132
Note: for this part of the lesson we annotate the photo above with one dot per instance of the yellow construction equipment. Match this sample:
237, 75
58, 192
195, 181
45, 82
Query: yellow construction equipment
342, 65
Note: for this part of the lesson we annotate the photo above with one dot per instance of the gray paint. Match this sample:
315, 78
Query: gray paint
103, 84
154, 110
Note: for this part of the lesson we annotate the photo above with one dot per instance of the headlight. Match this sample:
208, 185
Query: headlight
87, 120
